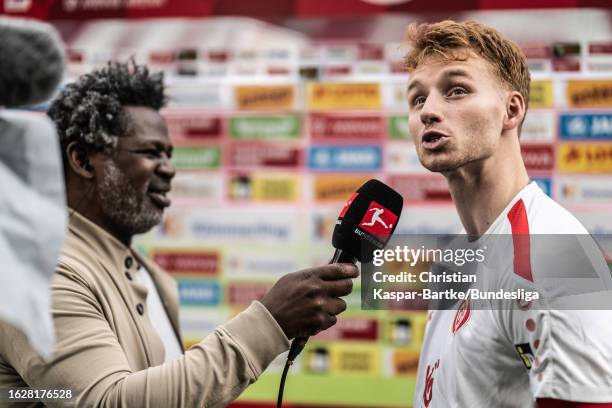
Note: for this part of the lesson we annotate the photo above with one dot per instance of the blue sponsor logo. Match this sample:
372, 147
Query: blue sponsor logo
199, 292
347, 158
577, 126
545, 184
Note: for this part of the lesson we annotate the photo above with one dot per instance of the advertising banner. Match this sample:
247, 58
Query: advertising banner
264, 97
589, 93
276, 127
585, 126
585, 157
322, 96
337, 127
345, 158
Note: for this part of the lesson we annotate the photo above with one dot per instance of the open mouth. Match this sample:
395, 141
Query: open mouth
159, 198
433, 140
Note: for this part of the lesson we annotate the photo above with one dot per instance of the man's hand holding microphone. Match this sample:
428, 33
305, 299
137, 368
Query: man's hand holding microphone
307, 302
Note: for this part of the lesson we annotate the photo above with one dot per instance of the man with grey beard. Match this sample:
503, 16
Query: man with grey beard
115, 312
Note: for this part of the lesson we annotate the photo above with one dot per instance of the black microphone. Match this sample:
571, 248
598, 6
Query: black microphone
365, 224
31, 61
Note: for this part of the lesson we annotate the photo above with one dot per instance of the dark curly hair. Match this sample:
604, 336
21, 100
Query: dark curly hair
90, 110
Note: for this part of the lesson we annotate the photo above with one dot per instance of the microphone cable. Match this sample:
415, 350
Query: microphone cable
297, 345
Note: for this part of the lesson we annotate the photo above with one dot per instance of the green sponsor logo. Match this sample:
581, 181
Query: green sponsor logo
196, 157
398, 127
265, 127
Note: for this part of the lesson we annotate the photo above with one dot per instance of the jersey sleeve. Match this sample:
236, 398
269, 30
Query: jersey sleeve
564, 339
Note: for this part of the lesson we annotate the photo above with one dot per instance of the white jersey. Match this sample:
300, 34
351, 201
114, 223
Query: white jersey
509, 358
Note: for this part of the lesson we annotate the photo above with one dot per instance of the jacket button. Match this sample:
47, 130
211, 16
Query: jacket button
129, 262
128, 275
140, 308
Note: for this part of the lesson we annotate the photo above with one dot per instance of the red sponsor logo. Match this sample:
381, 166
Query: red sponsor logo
326, 127
429, 382
205, 263
268, 155
462, 315
351, 329
378, 221
538, 157
240, 294
421, 188
192, 126
348, 204
600, 48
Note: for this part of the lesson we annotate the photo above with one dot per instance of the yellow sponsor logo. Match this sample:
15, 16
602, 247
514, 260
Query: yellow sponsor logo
328, 188
273, 187
589, 94
355, 359
344, 96
585, 158
541, 94
255, 97
405, 363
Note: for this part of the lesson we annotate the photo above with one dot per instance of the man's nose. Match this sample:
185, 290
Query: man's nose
166, 168
431, 110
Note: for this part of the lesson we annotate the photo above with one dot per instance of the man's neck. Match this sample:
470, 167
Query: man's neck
482, 190
99, 220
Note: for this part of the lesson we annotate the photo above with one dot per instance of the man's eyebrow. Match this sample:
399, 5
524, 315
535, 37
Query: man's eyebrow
457, 73
412, 85
448, 74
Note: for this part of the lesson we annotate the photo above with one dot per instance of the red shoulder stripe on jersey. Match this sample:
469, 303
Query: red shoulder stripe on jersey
520, 240
553, 403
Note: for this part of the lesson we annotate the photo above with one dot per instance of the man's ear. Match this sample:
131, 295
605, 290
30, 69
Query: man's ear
78, 159
515, 111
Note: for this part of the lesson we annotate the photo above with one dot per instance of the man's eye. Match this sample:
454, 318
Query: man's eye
457, 91
418, 101
152, 154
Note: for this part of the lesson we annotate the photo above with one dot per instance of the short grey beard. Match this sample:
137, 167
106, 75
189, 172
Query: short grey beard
128, 209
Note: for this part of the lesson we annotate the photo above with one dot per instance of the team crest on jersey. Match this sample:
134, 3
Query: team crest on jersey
525, 353
462, 315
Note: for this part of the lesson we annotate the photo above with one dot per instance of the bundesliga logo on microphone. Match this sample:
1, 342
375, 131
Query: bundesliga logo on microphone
378, 221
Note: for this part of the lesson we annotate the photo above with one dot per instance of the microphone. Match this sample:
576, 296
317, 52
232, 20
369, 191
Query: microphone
32, 62
364, 225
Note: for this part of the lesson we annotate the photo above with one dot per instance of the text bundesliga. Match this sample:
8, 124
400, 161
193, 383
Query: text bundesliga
452, 294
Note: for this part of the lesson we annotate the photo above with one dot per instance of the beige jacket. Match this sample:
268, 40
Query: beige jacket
107, 351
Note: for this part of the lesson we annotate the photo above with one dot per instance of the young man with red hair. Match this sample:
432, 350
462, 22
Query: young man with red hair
468, 94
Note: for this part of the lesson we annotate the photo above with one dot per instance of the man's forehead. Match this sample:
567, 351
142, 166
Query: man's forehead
146, 124
435, 66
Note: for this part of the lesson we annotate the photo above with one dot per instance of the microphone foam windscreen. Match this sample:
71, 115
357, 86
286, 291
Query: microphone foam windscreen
368, 220
31, 61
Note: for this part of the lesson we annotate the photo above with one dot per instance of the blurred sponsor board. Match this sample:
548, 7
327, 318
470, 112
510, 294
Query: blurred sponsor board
323, 96
273, 127
264, 97
401, 157
539, 126
196, 157
538, 156
541, 94
263, 155
335, 127
345, 158
186, 261
265, 187
398, 127
585, 126
585, 157
421, 188
336, 187
585, 189
589, 93
192, 126
197, 187
199, 292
